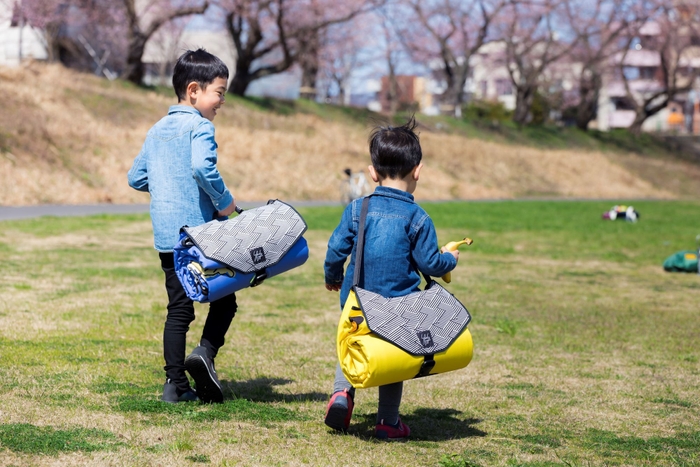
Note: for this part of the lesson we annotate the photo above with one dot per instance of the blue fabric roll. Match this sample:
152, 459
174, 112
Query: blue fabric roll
206, 280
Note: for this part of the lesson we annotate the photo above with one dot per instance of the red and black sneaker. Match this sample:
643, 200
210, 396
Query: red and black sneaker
339, 410
396, 432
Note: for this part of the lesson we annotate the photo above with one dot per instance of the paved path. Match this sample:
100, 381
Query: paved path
26, 212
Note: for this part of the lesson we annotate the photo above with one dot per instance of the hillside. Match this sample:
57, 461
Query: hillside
70, 138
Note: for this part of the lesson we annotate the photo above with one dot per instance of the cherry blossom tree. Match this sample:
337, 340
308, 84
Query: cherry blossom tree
536, 37
272, 35
603, 28
675, 39
140, 30
343, 48
448, 33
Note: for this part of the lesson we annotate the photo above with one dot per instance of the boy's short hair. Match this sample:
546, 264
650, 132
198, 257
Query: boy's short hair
199, 66
395, 151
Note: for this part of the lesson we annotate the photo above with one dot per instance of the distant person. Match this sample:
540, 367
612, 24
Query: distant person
177, 166
400, 242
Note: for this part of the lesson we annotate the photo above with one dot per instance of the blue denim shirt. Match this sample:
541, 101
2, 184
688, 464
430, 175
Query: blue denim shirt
177, 166
400, 242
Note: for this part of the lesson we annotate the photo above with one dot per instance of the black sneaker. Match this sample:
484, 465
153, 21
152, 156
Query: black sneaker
201, 368
171, 395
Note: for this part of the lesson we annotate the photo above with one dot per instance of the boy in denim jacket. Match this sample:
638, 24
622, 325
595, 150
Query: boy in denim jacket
400, 242
177, 166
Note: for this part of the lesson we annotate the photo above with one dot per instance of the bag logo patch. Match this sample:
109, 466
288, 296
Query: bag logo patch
426, 339
257, 255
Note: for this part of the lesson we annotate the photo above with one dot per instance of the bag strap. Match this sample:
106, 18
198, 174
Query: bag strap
361, 246
360, 241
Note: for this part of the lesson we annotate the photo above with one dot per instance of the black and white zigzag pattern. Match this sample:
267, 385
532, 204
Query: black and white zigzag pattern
265, 233
403, 321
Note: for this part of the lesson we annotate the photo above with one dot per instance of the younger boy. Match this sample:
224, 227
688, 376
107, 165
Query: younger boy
400, 242
177, 166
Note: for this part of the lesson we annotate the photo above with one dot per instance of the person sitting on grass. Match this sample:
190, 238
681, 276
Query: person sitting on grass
177, 166
400, 242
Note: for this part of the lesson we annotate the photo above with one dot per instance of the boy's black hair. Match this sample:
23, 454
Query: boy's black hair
395, 151
199, 66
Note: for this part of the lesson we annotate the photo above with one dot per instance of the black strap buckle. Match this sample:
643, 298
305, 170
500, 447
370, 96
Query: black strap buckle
426, 367
260, 276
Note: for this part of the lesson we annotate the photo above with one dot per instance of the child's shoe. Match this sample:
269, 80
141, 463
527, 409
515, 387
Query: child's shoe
339, 410
396, 432
171, 395
201, 368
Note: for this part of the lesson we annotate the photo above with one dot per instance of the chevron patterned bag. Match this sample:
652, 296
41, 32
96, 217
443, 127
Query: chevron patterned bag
386, 340
218, 258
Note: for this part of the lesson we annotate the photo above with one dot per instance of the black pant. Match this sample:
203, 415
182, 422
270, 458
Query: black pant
180, 315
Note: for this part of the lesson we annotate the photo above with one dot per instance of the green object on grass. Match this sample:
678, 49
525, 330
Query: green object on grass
683, 261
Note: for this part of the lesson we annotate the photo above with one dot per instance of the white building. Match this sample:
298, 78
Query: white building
20, 42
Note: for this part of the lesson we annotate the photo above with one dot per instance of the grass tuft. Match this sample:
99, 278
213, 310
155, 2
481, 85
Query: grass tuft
30, 439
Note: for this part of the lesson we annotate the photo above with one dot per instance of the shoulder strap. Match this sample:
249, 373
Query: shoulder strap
360, 241
361, 246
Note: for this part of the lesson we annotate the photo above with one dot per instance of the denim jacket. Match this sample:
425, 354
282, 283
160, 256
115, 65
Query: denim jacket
400, 242
177, 166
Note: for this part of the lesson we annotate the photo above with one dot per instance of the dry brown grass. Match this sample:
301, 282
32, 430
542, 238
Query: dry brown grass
70, 138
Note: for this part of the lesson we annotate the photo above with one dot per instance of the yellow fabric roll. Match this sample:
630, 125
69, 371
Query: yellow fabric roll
368, 361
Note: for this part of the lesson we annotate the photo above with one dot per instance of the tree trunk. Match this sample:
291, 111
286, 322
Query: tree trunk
589, 91
523, 103
636, 127
309, 66
135, 69
240, 82
453, 97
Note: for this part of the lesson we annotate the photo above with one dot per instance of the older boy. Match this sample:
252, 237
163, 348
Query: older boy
400, 242
177, 166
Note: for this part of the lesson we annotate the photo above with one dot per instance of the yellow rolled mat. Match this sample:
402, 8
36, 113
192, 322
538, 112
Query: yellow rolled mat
368, 360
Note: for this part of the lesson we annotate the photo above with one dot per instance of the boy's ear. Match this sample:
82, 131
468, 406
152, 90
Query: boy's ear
193, 89
373, 174
416, 171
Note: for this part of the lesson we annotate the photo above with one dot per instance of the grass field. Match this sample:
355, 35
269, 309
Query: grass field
586, 351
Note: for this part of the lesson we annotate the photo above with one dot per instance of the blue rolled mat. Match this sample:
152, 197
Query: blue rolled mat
207, 280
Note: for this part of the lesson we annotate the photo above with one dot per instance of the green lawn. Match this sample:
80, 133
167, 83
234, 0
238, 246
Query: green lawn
585, 350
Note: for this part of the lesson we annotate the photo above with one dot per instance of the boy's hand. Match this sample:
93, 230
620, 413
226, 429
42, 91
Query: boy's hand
227, 211
333, 287
454, 253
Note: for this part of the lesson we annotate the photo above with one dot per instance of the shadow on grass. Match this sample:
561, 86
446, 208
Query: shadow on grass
425, 424
263, 390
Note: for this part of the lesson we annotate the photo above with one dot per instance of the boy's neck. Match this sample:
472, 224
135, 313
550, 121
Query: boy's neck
394, 183
407, 183
398, 184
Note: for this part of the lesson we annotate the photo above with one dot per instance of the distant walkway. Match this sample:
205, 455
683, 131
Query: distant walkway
28, 212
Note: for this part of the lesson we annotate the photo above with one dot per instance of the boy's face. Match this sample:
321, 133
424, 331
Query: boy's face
209, 99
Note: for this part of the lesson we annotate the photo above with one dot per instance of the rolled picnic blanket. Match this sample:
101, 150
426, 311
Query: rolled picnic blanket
221, 257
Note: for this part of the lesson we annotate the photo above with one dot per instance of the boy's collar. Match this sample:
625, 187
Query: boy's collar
183, 108
393, 193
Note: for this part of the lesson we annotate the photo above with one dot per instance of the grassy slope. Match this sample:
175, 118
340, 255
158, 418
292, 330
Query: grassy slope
70, 138
585, 350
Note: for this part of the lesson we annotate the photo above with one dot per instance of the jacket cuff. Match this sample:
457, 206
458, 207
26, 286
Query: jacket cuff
223, 201
334, 281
